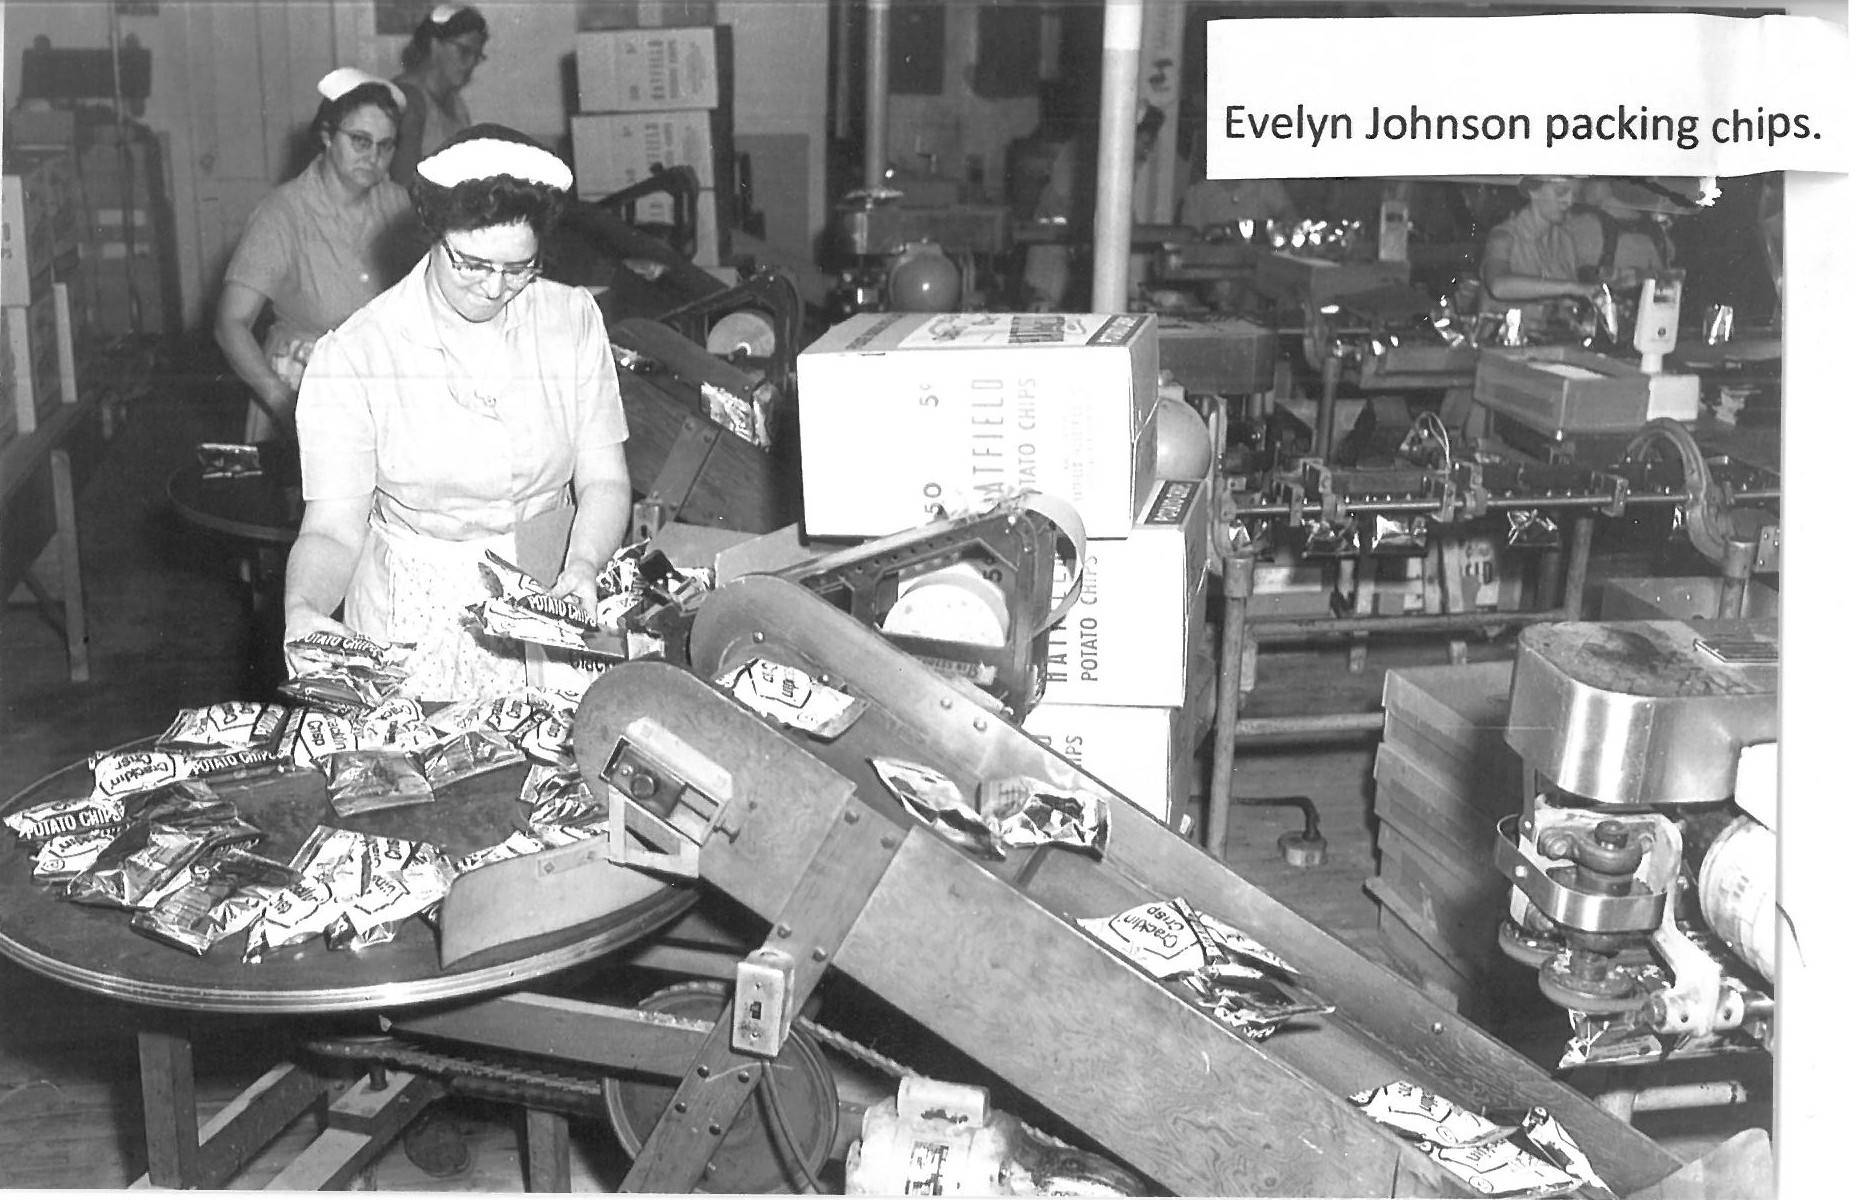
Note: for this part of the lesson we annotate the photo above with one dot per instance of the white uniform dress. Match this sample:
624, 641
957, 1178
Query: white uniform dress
459, 458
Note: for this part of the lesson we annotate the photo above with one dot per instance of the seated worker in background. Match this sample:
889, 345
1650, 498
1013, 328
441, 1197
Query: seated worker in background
1530, 260
471, 407
1069, 200
446, 48
317, 248
1617, 238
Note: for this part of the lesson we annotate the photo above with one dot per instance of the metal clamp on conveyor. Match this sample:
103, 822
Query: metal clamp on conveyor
1004, 560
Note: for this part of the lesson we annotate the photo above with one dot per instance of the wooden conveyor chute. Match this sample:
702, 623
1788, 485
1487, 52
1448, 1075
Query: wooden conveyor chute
986, 954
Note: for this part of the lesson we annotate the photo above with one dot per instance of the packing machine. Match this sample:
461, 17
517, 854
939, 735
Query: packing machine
1644, 863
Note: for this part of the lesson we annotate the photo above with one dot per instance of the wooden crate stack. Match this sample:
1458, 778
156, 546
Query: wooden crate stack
659, 97
1443, 778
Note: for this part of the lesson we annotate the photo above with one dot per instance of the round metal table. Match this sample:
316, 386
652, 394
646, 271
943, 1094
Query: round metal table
263, 508
97, 950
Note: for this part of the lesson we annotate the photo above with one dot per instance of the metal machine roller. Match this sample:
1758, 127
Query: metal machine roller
1643, 863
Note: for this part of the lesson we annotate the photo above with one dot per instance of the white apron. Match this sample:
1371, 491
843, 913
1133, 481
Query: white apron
412, 588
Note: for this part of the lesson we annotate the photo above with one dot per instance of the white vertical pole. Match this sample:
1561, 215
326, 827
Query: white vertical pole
1122, 63
876, 92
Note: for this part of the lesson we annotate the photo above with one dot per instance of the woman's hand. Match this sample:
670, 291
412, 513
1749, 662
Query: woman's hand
302, 622
576, 583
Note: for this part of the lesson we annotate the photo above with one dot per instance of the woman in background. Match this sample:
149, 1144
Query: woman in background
317, 248
446, 48
1531, 262
473, 406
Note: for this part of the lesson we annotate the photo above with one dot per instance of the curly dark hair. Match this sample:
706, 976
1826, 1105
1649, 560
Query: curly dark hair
331, 113
482, 203
465, 21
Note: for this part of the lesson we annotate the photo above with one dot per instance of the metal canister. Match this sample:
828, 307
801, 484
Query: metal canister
1512, 327
1721, 323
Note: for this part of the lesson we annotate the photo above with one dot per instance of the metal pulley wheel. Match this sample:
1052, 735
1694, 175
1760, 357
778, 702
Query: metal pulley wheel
1613, 987
1707, 512
755, 1155
1526, 946
744, 331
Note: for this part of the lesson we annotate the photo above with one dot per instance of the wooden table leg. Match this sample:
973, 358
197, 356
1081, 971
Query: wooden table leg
1365, 576
1452, 584
64, 505
545, 1152
182, 1152
170, 1123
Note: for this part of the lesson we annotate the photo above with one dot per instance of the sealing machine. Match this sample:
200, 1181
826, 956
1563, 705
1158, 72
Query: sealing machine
1643, 864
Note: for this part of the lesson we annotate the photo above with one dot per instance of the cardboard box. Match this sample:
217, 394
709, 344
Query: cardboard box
1127, 639
1225, 355
1559, 390
1491, 579
903, 412
1452, 722
646, 14
613, 151
1459, 900
41, 219
1299, 279
641, 70
41, 367
1290, 589
1680, 597
1456, 820
657, 210
1139, 752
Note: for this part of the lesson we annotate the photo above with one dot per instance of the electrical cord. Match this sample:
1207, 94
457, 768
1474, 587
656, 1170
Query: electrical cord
787, 1141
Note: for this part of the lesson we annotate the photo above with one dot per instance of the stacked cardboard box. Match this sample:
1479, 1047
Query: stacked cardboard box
40, 367
42, 222
647, 14
905, 414
654, 98
1443, 777
42, 217
1119, 667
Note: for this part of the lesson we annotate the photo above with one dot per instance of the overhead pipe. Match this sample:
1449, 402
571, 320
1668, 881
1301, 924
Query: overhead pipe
1122, 78
876, 93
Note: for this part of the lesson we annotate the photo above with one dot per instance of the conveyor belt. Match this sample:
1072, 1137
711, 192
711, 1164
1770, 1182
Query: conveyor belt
986, 954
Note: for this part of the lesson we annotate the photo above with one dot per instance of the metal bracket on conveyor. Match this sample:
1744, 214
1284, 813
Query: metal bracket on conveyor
683, 466
1014, 547
665, 798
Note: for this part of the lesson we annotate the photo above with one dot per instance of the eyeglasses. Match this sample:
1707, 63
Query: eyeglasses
476, 270
472, 55
365, 145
